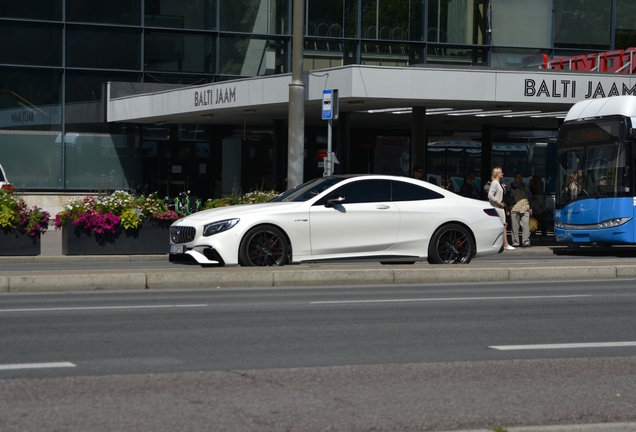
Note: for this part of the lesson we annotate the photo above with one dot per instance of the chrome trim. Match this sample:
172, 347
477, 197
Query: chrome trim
182, 234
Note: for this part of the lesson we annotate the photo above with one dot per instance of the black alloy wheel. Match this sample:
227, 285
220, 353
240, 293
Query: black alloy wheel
263, 246
451, 244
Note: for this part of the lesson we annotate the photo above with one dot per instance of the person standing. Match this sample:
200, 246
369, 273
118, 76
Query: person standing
469, 190
484, 191
495, 197
447, 183
418, 172
521, 211
537, 204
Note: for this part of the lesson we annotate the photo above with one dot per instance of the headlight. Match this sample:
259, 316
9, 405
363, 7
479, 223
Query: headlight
611, 223
217, 227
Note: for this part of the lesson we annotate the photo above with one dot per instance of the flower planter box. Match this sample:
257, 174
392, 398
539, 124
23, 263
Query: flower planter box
151, 238
14, 243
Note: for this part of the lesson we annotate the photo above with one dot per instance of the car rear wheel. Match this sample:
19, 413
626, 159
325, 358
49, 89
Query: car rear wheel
263, 246
451, 244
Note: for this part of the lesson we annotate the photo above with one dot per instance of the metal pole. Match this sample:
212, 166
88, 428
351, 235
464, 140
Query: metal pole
296, 136
329, 159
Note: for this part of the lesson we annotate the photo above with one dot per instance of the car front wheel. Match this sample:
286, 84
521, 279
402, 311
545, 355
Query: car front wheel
263, 246
451, 244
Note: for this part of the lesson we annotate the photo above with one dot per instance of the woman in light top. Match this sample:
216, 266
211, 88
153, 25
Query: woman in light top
495, 197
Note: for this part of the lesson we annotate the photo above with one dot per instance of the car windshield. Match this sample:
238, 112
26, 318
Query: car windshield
307, 191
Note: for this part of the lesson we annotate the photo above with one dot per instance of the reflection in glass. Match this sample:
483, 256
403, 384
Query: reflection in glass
165, 78
31, 159
30, 121
102, 162
103, 48
457, 21
254, 16
99, 11
30, 99
392, 20
177, 52
444, 54
331, 18
200, 15
85, 92
625, 24
325, 53
390, 54
582, 24
511, 57
48, 10
250, 56
39, 45
522, 23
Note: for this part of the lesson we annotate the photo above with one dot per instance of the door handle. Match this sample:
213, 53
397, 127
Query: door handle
382, 207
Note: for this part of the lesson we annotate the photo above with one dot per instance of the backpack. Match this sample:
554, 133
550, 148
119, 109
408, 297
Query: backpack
508, 197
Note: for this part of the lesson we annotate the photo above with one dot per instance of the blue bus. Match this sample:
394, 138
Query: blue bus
596, 151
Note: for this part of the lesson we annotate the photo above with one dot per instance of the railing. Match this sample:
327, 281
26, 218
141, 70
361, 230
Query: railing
617, 61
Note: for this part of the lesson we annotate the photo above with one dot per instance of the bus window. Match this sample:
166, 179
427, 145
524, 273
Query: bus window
593, 171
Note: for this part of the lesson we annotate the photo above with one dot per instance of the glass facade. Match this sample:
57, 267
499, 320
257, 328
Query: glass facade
583, 24
58, 54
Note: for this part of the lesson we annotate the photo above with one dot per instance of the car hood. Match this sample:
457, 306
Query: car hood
237, 211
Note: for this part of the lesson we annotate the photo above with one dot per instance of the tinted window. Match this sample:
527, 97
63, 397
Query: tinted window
178, 52
106, 48
39, 45
199, 14
365, 191
100, 11
582, 24
403, 191
36, 9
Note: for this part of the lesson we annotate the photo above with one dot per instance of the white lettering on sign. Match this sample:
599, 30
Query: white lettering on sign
213, 96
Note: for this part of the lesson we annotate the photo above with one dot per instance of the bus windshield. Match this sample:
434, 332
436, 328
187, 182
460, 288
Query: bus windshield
592, 162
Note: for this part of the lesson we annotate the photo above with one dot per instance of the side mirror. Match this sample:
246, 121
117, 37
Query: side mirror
331, 202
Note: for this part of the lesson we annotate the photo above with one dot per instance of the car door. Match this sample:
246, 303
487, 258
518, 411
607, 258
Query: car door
364, 222
422, 211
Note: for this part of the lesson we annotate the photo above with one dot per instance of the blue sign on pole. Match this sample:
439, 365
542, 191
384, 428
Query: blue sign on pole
327, 104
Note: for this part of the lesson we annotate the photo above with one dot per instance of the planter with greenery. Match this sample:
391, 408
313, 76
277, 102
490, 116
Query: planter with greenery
116, 224
258, 196
20, 226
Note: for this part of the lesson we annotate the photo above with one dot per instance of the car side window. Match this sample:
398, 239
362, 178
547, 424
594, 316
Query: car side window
403, 191
364, 191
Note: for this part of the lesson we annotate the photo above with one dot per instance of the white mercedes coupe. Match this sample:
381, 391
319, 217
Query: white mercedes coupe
344, 217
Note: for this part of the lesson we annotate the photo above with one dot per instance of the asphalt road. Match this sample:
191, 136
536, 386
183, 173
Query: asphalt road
431, 357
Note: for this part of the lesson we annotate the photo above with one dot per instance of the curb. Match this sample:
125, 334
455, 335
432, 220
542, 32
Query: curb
292, 276
599, 427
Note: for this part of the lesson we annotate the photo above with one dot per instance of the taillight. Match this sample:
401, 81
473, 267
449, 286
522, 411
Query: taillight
7, 187
491, 212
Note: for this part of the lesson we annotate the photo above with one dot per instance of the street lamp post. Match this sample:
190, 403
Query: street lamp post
296, 134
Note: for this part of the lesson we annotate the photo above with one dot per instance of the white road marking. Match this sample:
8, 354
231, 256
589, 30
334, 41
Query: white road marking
101, 308
563, 346
36, 365
450, 299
